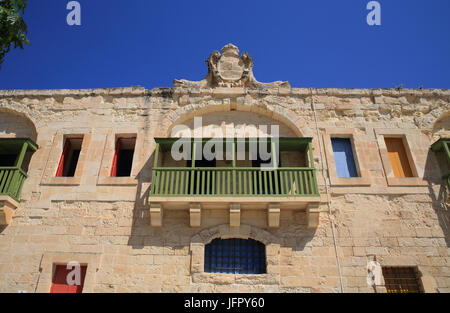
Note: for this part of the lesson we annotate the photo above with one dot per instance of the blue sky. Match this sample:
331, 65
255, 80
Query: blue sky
314, 43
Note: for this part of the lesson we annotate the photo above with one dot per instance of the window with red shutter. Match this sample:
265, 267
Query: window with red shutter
60, 283
123, 157
69, 158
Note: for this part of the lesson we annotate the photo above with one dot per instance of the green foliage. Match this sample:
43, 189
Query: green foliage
13, 30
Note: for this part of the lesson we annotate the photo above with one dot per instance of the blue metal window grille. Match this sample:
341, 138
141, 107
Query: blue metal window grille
235, 256
343, 157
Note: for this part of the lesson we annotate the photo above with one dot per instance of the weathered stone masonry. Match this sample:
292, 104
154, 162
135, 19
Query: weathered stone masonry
105, 222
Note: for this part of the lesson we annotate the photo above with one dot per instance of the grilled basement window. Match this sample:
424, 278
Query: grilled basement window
65, 280
402, 280
235, 256
69, 158
123, 157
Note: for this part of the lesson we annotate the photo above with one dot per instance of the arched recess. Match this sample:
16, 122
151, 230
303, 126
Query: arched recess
441, 128
18, 137
232, 124
14, 124
297, 125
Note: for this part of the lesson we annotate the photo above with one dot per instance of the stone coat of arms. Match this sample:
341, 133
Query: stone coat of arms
229, 69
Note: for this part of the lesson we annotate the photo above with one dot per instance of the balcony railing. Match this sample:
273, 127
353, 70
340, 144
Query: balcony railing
11, 181
13, 177
234, 181
244, 182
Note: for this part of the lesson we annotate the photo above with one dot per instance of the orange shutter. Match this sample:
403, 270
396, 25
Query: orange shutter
398, 157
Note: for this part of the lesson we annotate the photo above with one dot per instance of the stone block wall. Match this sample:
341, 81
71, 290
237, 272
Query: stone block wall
106, 224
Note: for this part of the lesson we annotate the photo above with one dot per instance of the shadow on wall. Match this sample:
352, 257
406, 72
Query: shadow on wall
176, 232
435, 167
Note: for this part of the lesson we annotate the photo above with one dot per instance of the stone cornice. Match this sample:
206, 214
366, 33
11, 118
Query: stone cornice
178, 91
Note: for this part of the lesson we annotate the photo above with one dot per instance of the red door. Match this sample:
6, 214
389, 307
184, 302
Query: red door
60, 284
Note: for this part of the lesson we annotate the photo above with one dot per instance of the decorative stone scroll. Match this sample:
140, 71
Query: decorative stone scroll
229, 69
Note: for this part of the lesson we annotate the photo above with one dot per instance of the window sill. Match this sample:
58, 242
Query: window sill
351, 181
229, 279
62, 181
406, 181
117, 181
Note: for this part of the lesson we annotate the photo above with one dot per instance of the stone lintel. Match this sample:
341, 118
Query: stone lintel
235, 215
274, 215
195, 213
312, 215
7, 208
156, 212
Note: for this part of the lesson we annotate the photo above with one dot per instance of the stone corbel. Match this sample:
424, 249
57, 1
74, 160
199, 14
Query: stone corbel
235, 215
7, 208
195, 213
155, 214
274, 215
312, 215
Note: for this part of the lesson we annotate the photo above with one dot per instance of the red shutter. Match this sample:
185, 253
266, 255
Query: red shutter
59, 283
66, 150
116, 157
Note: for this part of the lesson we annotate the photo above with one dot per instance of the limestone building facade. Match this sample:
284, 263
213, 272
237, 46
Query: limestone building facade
355, 199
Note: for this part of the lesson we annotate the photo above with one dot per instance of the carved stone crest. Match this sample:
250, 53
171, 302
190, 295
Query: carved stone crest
229, 69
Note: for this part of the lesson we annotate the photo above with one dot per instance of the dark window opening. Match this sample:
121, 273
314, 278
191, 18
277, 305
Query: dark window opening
401, 280
69, 158
8, 159
123, 157
235, 256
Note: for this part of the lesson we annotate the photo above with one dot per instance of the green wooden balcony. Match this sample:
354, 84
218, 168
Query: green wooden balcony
232, 180
14, 154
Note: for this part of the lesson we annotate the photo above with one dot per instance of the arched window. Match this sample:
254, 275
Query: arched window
235, 256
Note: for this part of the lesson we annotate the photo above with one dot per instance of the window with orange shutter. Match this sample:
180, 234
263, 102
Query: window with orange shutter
398, 157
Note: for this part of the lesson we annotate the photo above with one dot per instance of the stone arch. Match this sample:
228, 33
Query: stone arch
15, 124
224, 231
297, 124
441, 128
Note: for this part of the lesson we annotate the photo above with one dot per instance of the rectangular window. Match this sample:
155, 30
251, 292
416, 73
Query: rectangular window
343, 157
69, 158
65, 280
235, 256
398, 157
401, 280
123, 157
